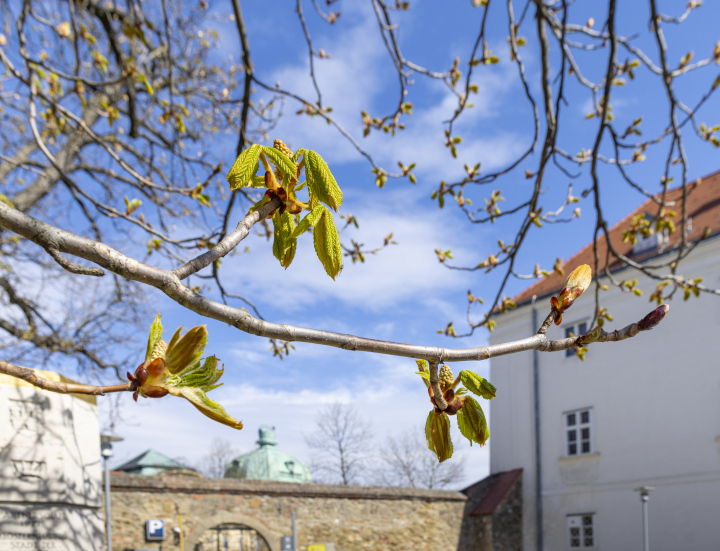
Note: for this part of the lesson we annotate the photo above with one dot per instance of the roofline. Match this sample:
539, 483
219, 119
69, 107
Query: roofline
621, 268
624, 219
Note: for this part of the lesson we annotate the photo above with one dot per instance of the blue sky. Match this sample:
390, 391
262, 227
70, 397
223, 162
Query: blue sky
402, 294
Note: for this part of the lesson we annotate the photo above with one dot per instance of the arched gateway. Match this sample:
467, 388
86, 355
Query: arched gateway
242, 533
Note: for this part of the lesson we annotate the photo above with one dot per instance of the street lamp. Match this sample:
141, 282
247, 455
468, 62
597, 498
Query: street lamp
644, 496
106, 441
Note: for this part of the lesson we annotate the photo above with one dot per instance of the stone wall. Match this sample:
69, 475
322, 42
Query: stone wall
353, 518
486, 516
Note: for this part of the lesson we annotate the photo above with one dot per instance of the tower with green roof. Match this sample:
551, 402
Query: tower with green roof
268, 462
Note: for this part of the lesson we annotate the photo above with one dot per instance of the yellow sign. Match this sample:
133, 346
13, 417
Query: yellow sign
317, 547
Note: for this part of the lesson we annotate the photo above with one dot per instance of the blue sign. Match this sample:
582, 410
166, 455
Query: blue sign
155, 529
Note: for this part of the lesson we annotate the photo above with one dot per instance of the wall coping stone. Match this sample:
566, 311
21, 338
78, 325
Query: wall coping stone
124, 482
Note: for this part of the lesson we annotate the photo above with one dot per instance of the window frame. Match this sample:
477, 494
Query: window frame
577, 427
577, 328
581, 516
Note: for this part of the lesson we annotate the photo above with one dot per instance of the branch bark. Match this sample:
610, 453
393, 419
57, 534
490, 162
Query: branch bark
28, 375
170, 284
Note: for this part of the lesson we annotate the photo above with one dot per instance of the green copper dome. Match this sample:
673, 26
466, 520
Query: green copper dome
268, 463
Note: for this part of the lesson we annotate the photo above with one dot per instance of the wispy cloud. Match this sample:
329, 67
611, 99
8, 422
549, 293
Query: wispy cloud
408, 271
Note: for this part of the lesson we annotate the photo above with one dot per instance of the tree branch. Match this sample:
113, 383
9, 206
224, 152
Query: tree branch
169, 283
28, 375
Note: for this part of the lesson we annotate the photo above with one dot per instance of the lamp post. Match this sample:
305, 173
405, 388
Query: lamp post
106, 441
644, 496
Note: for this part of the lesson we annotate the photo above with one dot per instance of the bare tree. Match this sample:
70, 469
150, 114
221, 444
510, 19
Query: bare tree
214, 463
407, 461
341, 441
109, 155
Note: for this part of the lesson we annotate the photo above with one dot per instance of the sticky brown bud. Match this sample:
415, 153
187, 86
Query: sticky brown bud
154, 391
141, 376
575, 285
654, 317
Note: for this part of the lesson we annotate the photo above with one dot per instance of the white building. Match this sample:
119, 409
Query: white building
641, 412
50, 492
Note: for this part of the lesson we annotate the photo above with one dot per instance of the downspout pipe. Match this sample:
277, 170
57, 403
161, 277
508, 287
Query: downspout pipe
538, 461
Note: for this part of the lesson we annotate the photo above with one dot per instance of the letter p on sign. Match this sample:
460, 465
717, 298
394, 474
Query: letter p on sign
155, 529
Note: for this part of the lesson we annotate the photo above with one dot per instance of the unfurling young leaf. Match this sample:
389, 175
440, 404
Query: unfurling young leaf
471, 421
206, 406
258, 182
131, 206
284, 244
176, 369
299, 153
437, 435
424, 371
310, 220
321, 182
156, 331
185, 352
327, 244
280, 160
244, 167
477, 384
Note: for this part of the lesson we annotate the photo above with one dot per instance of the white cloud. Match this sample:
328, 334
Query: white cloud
408, 271
360, 77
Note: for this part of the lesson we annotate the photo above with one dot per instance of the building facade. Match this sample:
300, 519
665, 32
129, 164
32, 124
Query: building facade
640, 412
50, 485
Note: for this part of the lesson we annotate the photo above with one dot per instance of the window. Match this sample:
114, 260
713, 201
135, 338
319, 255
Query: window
574, 331
581, 531
578, 432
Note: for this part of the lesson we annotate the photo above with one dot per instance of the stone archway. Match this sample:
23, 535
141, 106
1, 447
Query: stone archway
226, 517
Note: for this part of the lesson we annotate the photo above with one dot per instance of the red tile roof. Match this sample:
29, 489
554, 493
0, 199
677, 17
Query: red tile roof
501, 486
703, 210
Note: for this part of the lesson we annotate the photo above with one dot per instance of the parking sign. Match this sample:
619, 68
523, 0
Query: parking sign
155, 529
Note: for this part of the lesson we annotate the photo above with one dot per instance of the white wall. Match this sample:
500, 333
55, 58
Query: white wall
656, 420
50, 490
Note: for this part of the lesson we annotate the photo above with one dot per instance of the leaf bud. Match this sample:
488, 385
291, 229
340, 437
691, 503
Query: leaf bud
591, 336
654, 317
575, 285
141, 376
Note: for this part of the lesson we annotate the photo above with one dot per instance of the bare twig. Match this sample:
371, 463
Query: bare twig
28, 375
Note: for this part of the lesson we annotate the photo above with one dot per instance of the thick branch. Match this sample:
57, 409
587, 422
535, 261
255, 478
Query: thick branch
170, 284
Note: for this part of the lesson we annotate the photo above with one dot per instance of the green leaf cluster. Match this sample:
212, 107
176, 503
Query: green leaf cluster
176, 368
323, 194
470, 416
